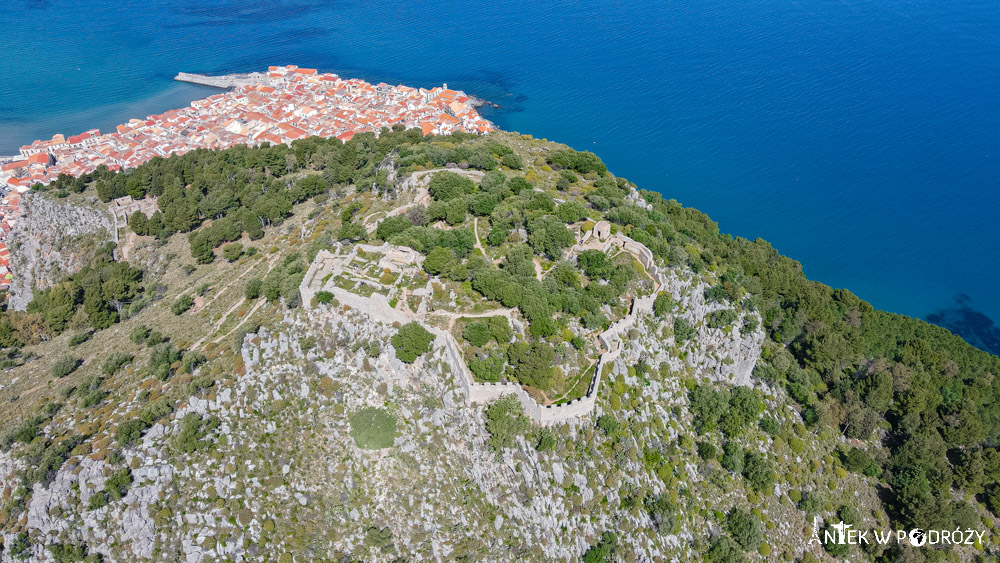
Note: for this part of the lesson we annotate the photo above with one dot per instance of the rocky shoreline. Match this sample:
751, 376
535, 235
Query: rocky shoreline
477, 102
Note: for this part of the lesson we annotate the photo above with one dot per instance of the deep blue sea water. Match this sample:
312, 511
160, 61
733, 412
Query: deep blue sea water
861, 137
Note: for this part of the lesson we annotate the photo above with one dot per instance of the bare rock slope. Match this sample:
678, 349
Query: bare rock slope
53, 238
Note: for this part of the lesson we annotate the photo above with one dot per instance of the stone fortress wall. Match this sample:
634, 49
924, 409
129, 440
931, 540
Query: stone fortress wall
611, 340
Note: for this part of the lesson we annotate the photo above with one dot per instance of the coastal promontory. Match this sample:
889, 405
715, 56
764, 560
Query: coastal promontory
358, 322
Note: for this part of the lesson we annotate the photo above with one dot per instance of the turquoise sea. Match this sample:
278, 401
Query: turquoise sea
861, 137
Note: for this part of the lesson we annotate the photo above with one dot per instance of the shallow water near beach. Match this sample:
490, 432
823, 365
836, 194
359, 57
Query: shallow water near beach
862, 139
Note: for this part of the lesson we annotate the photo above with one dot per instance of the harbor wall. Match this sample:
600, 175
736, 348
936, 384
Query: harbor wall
225, 81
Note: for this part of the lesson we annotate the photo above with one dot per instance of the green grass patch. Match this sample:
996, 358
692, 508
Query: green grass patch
579, 389
373, 428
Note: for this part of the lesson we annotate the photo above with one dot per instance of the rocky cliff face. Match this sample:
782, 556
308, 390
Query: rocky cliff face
726, 355
52, 239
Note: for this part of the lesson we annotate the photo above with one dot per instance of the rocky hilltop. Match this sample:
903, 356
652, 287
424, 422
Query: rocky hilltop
308, 375
461, 348
54, 238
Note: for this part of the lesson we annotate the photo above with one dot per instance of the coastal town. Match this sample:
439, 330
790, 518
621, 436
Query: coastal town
288, 103
293, 103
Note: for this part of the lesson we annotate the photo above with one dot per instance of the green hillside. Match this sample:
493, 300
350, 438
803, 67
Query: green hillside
179, 398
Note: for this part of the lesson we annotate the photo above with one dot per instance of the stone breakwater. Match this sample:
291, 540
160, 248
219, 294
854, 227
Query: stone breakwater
226, 80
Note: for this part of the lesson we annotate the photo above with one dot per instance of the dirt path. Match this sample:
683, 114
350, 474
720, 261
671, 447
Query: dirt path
254, 309
128, 246
225, 316
475, 229
218, 324
270, 265
563, 396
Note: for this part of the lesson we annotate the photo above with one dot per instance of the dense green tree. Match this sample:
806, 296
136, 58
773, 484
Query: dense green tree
549, 236
232, 251
477, 333
193, 433
445, 186
19, 547
130, 431
683, 331
139, 334
118, 483
252, 289
663, 304
104, 288
993, 499
876, 391
732, 457
438, 261
595, 264
505, 421
115, 362
489, 366
201, 248
724, 550
582, 162
707, 450
392, 226
722, 318
483, 204
970, 471
531, 363
139, 223
65, 366
745, 528
758, 471
709, 406
351, 232
182, 304
745, 405
604, 550
411, 341
662, 512
608, 424
58, 306
915, 499
455, 211
493, 182
67, 553
517, 184
500, 329
546, 440
511, 160
155, 225
857, 460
